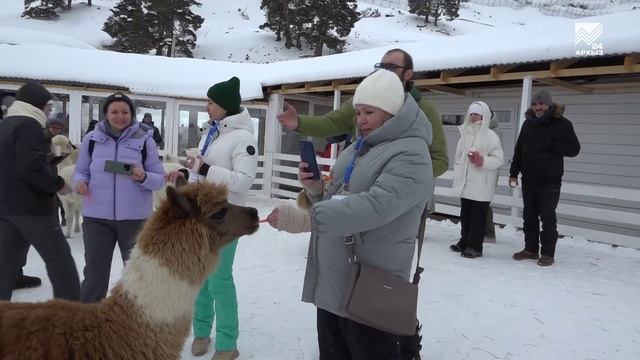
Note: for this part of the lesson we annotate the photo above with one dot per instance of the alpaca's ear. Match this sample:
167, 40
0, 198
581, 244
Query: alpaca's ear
179, 202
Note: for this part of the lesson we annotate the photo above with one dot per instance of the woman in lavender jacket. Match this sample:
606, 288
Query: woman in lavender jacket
114, 205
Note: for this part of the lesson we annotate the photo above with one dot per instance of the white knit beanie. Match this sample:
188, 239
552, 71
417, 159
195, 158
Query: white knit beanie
475, 108
383, 90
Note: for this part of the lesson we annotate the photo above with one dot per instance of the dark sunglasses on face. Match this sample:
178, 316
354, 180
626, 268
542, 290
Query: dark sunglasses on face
388, 66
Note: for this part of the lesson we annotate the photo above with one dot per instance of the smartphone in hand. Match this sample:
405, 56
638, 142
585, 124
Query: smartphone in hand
308, 155
118, 168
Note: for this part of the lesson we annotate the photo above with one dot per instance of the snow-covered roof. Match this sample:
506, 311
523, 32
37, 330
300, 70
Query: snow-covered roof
181, 77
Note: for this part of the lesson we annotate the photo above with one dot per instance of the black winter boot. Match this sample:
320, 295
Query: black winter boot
25, 282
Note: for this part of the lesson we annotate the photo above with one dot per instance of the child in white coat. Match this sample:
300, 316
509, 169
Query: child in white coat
478, 157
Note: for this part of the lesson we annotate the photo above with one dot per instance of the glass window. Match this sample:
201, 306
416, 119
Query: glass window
157, 110
192, 118
91, 113
259, 117
59, 111
289, 142
452, 119
504, 118
319, 109
6, 103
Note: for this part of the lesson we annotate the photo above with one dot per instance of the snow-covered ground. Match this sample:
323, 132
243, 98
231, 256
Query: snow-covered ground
585, 307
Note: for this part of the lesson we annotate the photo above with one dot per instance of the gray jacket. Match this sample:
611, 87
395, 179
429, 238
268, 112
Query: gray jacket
388, 190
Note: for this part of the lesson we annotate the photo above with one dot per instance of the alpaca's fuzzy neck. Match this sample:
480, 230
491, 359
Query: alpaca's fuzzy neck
160, 296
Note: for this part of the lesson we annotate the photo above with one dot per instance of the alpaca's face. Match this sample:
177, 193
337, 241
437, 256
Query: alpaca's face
189, 229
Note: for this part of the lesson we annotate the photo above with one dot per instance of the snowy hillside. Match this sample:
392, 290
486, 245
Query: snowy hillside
230, 31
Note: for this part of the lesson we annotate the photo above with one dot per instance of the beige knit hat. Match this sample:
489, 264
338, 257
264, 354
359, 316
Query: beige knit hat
383, 90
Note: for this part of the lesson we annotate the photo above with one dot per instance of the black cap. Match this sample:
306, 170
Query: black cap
118, 97
33, 93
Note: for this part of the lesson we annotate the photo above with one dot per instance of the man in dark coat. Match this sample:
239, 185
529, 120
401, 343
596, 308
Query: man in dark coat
545, 139
157, 137
27, 196
23, 281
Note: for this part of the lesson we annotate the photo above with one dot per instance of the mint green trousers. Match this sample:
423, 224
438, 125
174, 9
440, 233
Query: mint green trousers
217, 297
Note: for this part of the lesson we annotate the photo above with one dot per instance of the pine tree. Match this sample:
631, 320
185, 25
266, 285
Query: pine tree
330, 22
447, 8
435, 9
46, 9
421, 8
283, 19
170, 20
274, 13
127, 25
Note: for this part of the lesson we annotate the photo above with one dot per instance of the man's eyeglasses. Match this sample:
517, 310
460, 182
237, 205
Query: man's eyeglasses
388, 66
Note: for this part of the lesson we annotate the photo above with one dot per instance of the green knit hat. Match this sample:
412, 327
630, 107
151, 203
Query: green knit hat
227, 95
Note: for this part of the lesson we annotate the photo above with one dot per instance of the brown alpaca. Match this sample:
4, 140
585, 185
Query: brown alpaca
148, 314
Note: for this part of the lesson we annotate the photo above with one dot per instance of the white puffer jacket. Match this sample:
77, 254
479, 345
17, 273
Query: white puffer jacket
232, 155
469, 181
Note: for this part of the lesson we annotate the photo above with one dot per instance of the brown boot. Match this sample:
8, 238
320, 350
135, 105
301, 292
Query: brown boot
200, 346
525, 254
225, 355
546, 260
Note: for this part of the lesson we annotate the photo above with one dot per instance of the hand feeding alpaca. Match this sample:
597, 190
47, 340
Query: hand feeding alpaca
170, 164
148, 315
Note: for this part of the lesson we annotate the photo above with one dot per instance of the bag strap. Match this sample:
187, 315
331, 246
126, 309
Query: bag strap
351, 251
421, 228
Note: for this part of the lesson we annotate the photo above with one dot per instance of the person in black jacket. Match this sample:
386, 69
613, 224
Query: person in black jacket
157, 137
27, 196
23, 281
545, 139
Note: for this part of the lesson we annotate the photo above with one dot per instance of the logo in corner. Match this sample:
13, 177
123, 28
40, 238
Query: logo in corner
587, 35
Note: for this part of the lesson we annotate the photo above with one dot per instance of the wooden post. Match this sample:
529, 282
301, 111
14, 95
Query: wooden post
525, 101
75, 117
272, 140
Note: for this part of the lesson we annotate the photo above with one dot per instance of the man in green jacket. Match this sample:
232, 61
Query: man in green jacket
341, 121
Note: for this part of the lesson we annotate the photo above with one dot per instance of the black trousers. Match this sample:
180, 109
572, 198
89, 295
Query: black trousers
343, 339
473, 223
45, 234
100, 238
540, 202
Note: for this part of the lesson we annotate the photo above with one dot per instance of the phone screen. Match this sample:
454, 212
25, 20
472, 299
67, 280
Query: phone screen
308, 155
117, 167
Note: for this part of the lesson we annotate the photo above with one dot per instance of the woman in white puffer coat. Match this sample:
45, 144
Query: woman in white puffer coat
478, 158
227, 154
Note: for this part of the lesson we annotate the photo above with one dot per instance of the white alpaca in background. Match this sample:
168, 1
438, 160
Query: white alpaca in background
72, 202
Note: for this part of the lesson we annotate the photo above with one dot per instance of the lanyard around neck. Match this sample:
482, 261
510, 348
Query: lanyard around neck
212, 131
347, 173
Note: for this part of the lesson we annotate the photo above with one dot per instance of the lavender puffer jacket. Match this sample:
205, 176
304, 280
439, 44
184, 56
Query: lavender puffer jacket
118, 197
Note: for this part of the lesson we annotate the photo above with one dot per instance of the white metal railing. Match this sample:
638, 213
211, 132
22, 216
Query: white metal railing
284, 184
